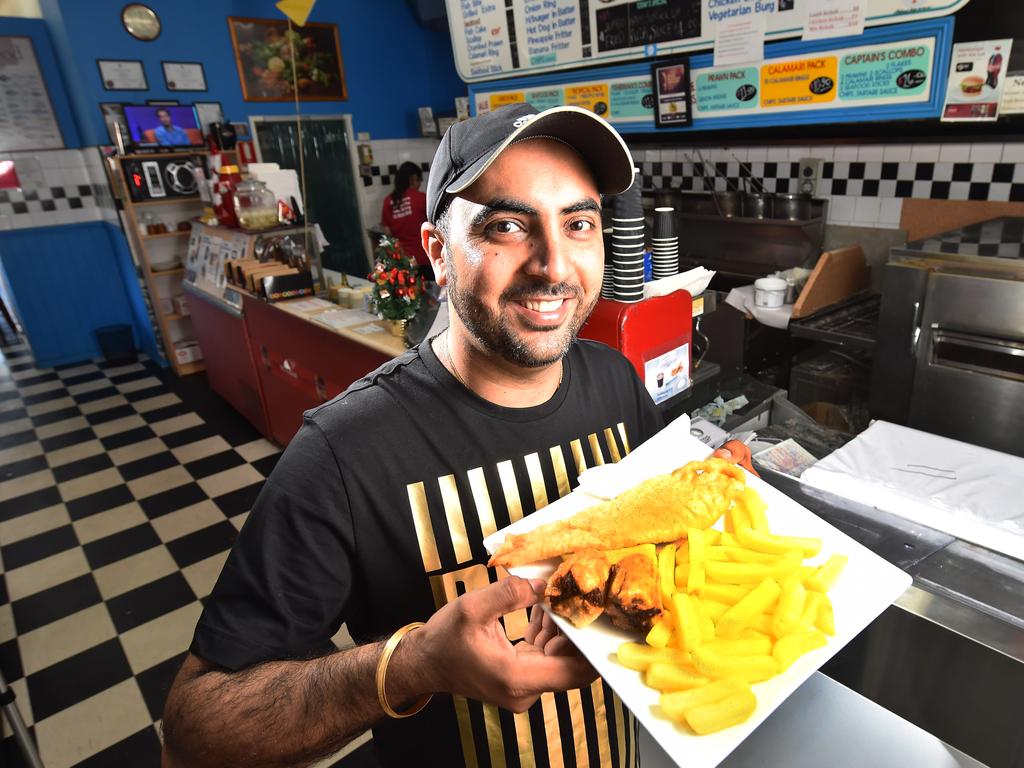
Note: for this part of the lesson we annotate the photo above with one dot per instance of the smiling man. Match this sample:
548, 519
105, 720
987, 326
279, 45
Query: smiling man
376, 513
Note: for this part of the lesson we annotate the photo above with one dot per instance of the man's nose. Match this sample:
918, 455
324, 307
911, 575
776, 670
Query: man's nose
552, 257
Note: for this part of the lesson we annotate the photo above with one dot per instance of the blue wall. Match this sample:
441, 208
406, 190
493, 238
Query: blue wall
68, 281
392, 64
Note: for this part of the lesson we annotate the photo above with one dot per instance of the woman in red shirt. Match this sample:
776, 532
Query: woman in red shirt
403, 212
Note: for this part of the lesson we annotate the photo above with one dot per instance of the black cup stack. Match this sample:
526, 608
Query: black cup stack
628, 244
608, 284
664, 244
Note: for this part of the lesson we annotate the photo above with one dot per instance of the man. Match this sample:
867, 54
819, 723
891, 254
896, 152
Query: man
375, 515
167, 133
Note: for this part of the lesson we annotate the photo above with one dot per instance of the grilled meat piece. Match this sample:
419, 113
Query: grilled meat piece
634, 597
576, 589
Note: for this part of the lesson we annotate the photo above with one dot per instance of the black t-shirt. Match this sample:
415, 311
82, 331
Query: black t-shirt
375, 514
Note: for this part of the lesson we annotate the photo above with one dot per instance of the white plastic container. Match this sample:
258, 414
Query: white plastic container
769, 292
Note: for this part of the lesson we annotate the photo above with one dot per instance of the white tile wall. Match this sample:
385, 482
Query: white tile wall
386, 153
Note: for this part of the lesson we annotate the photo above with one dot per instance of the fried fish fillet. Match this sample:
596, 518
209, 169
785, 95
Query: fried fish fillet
659, 509
634, 595
576, 588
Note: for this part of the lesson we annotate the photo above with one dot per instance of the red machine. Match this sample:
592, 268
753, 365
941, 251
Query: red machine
654, 335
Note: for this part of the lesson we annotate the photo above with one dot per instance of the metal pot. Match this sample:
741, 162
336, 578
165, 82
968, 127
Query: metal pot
757, 205
795, 206
729, 203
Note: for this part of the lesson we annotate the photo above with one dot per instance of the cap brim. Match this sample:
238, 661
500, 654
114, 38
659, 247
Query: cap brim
600, 145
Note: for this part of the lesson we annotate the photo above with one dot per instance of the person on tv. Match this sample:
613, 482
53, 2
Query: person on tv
167, 133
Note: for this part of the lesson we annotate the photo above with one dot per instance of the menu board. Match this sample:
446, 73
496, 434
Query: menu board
492, 39
887, 74
27, 120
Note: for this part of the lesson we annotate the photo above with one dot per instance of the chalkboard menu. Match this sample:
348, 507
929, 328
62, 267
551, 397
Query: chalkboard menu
27, 120
493, 39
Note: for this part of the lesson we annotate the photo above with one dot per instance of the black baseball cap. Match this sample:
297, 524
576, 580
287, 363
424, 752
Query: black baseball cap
470, 146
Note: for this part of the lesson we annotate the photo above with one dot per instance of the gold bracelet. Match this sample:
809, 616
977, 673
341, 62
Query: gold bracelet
382, 669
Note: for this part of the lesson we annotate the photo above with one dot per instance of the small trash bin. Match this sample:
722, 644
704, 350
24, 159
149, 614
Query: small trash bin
116, 344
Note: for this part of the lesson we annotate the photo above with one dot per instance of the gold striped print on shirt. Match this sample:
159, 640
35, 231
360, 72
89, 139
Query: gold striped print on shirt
452, 515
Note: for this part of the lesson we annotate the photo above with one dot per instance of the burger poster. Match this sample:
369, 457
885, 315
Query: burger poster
977, 74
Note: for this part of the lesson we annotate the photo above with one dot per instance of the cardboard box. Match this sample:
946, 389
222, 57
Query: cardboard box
181, 304
187, 351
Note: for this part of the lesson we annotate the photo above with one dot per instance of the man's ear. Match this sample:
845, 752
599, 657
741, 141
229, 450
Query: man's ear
433, 244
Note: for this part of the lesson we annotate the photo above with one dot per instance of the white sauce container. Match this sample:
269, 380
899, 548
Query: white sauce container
769, 292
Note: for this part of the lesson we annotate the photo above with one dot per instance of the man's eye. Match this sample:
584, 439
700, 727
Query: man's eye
504, 227
581, 225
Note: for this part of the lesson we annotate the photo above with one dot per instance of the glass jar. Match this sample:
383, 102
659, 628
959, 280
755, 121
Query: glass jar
255, 205
224, 195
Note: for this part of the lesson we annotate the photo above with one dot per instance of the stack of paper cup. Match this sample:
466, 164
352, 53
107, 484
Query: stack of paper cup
608, 284
664, 244
628, 244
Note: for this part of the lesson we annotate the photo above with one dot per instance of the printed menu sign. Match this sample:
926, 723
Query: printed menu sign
493, 39
620, 99
977, 74
890, 73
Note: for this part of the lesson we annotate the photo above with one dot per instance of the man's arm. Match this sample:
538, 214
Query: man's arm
286, 713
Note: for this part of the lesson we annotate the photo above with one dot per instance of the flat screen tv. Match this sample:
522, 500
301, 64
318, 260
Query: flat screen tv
163, 126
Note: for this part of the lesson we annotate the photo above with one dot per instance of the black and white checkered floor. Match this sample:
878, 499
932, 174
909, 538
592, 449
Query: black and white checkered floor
121, 491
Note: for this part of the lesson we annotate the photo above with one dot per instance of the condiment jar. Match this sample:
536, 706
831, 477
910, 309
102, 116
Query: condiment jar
255, 205
224, 195
769, 292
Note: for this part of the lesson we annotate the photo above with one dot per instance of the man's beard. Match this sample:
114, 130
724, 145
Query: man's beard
495, 332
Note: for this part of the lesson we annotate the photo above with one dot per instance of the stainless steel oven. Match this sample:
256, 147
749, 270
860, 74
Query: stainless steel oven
950, 352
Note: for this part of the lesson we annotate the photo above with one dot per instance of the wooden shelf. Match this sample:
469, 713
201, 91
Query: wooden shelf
153, 155
159, 272
194, 367
175, 233
166, 201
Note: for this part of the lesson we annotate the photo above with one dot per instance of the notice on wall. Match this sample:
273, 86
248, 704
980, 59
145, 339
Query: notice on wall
833, 18
739, 36
492, 39
27, 120
977, 74
1013, 94
888, 73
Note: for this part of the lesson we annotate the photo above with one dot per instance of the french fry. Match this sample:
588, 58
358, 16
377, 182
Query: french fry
777, 545
724, 713
736, 518
715, 552
729, 540
712, 537
790, 607
695, 579
673, 677
725, 593
687, 623
744, 555
675, 704
826, 621
742, 613
827, 575
752, 573
791, 647
640, 657
742, 646
717, 665
667, 572
809, 615
755, 508
761, 623
661, 632
682, 576
614, 555
707, 624
715, 609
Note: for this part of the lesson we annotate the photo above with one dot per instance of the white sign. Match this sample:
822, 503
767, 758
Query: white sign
553, 35
27, 120
739, 37
669, 374
833, 18
977, 74
1013, 95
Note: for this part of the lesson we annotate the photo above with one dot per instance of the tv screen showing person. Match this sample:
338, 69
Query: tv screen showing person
163, 126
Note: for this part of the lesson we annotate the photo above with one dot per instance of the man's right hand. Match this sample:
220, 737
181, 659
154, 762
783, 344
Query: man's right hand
463, 650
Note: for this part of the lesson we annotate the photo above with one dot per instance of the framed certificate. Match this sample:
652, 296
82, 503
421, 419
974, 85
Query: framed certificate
184, 75
122, 75
208, 112
671, 82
